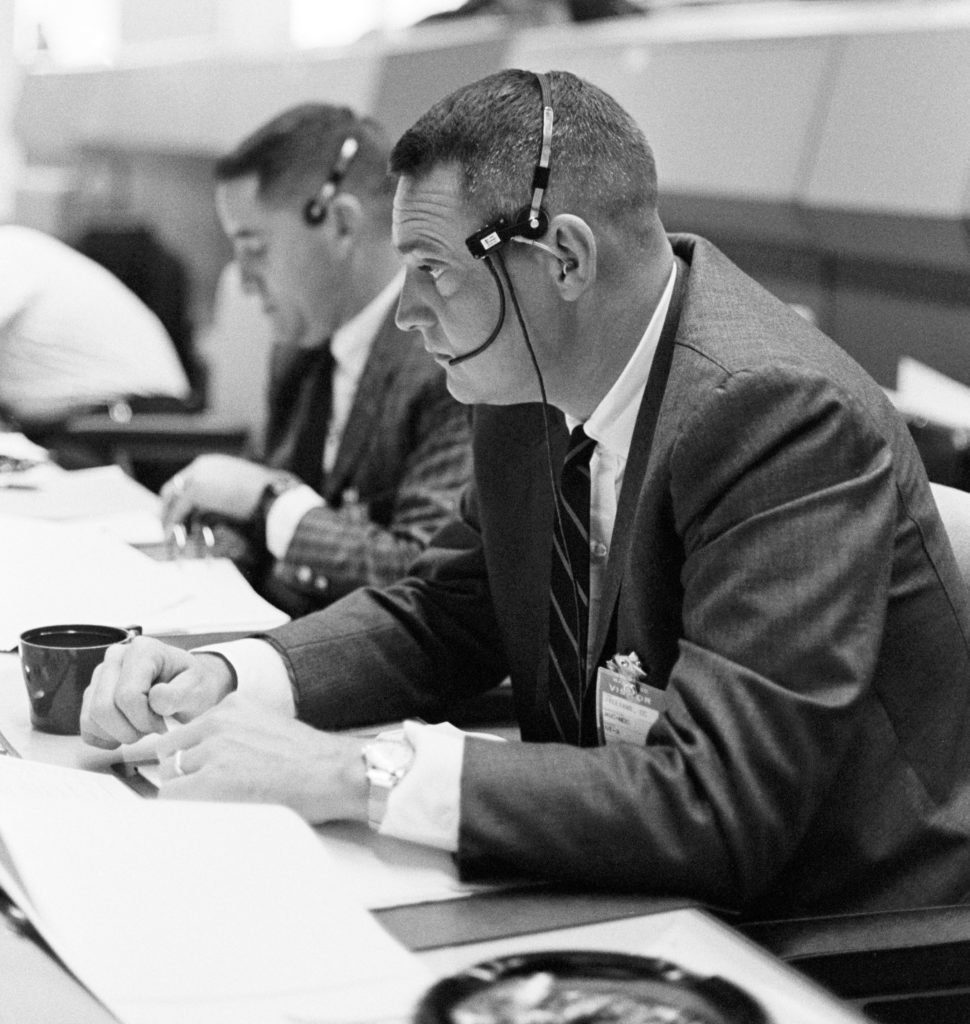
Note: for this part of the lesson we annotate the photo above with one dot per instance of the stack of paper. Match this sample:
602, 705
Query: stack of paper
104, 496
194, 912
66, 572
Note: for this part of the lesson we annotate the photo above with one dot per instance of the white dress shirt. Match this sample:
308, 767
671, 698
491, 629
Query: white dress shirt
72, 335
350, 346
424, 807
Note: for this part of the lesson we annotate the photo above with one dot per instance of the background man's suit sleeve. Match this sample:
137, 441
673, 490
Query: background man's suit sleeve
349, 549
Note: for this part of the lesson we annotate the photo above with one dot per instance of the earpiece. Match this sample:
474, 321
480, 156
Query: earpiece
315, 210
565, 264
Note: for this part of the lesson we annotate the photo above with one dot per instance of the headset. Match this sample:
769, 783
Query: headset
526, 227
315, 210
531, 221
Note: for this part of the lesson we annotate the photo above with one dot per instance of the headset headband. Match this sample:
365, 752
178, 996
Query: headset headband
316, 208
531, 222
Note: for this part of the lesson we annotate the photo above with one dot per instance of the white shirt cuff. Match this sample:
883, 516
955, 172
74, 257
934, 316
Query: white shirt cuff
423, 807
284, 517
261, 673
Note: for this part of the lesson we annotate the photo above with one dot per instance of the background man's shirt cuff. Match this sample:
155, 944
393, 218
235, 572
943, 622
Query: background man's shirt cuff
284, 517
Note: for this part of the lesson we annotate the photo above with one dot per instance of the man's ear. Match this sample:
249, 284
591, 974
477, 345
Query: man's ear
346, 215
573, 240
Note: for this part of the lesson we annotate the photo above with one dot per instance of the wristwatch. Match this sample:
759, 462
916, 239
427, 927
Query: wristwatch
277, 486
387, 759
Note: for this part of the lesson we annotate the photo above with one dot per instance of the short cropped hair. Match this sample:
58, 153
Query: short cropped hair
293, 154
492, 129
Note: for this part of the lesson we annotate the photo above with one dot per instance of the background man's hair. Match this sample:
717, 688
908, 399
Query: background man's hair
293, 154
601, 161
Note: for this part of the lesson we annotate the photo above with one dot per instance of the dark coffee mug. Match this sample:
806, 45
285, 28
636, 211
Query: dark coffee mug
58, 662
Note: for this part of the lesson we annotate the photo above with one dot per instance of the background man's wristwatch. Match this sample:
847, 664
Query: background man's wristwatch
387, 759
277, 486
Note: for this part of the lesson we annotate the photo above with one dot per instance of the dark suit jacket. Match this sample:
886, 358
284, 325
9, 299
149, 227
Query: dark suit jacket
779, 566
403, 459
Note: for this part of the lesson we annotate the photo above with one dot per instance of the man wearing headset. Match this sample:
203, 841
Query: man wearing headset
365, 452
770, 709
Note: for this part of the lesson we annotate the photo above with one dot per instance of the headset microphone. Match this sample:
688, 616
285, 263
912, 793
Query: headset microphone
315, 210
455, 360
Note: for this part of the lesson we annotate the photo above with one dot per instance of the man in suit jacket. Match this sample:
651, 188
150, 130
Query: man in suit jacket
365, 451
761, 536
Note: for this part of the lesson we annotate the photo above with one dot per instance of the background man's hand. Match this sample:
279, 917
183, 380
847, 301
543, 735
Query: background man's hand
140, 682
237, 751
221, 485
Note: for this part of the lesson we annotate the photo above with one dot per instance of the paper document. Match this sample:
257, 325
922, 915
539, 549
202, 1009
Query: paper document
218, 598
196, 912
66, 572
104, 496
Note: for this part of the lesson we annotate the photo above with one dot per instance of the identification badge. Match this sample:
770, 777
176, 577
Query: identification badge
626, 705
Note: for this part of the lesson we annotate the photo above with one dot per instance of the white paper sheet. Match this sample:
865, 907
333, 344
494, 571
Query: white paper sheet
103, 495
67, 572
184, 912
218, 598
62, 572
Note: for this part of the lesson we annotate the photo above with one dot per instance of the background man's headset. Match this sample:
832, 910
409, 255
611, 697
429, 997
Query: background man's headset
315, 210
529, 225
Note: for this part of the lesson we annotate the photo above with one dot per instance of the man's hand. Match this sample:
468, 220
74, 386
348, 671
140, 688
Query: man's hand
222, 485
238, 752
140, 682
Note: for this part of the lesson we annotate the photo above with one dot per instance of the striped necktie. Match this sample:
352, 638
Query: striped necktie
569, 597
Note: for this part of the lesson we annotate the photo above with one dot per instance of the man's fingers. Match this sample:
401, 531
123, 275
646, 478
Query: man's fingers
177, 507
179, 697
116, 707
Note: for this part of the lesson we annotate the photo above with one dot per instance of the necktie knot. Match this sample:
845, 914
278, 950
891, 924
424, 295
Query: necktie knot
579, 450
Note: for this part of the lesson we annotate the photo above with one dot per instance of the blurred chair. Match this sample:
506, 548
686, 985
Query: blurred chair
136, 256
954, 508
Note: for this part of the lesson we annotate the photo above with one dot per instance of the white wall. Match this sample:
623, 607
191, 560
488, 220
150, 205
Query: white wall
9, 90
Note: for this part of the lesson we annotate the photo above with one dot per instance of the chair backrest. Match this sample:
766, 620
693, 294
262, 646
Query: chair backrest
954, 508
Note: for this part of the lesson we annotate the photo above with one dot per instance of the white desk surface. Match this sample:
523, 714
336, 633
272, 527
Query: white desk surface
38, 991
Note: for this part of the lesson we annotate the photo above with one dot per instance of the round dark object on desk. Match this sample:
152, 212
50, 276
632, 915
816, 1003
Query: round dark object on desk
585, 987
57, 663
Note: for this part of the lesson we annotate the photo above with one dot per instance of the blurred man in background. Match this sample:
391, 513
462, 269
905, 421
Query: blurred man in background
365, 452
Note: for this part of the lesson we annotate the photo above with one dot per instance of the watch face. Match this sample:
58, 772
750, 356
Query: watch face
589, 987
392, 756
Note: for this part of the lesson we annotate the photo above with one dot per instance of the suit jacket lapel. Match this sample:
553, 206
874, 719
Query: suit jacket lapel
636, 467
379, 371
